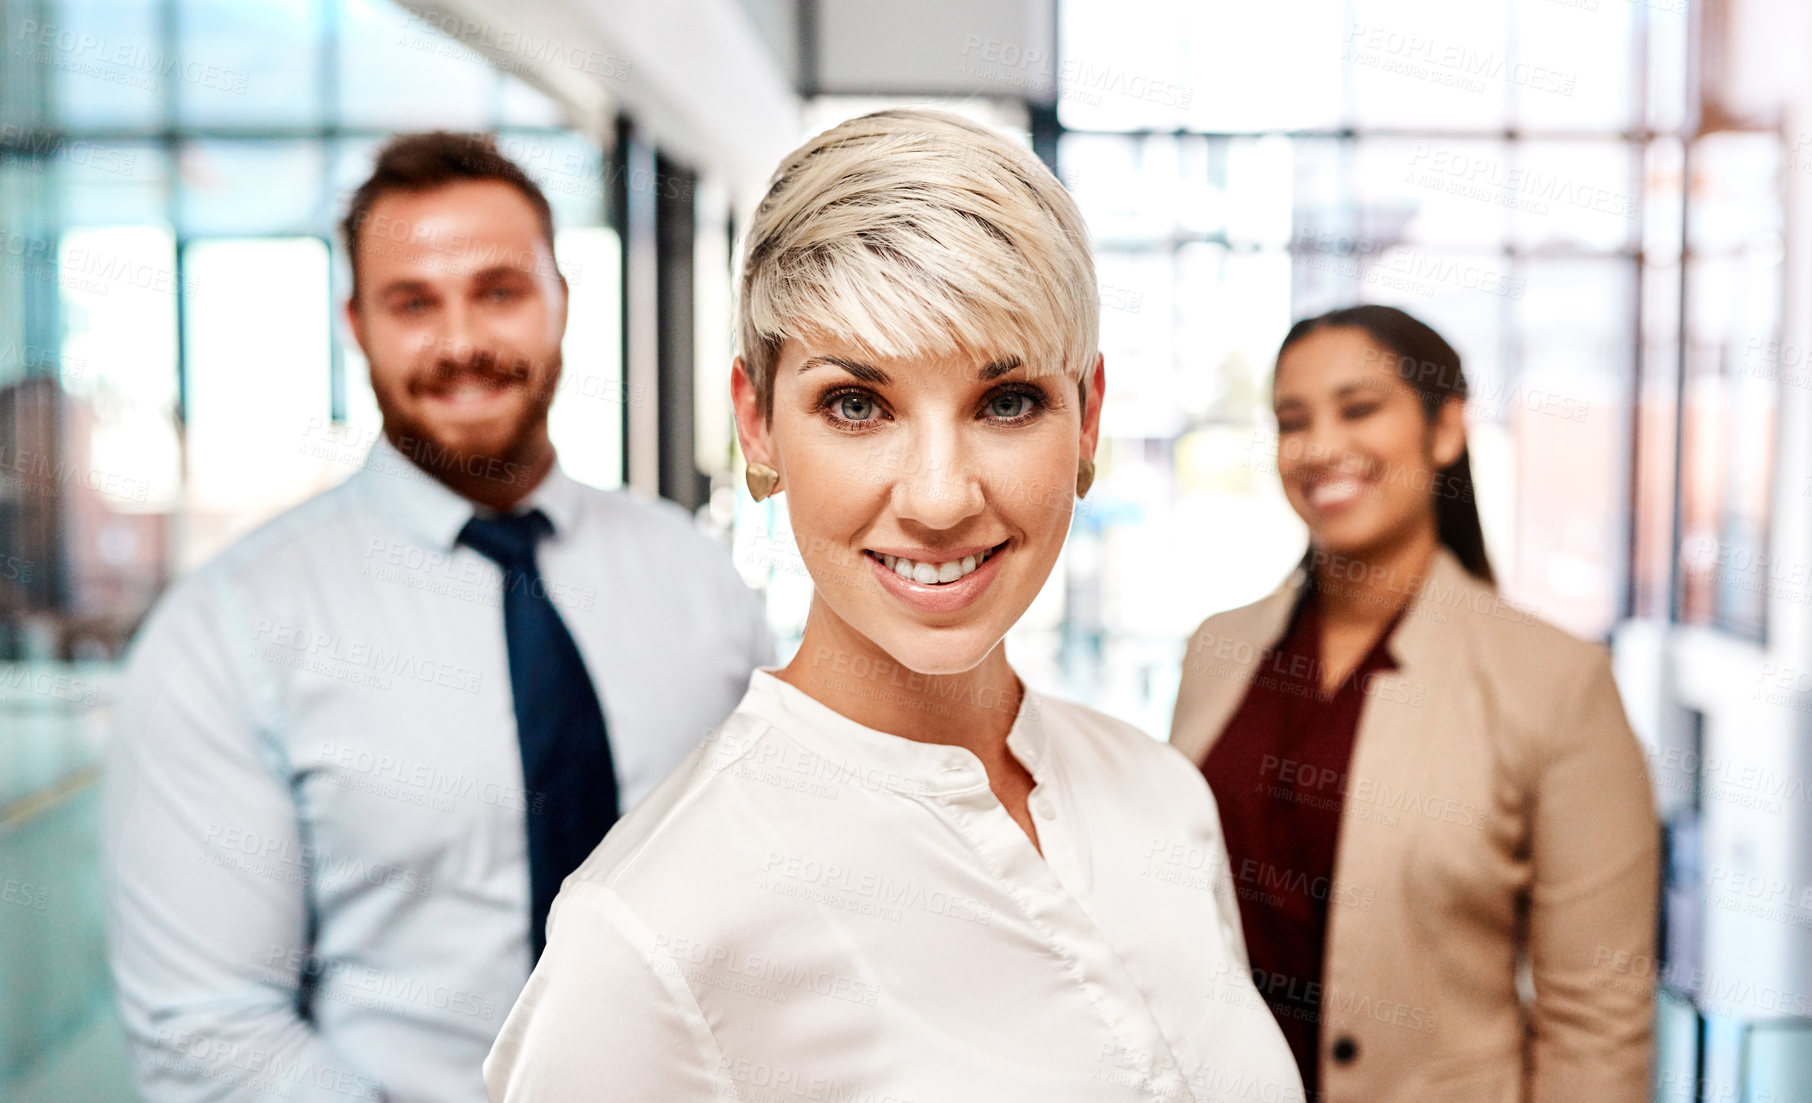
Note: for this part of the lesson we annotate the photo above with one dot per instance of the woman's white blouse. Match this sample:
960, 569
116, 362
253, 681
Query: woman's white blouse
809, 909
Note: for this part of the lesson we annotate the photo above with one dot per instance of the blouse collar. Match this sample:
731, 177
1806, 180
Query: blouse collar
890, 761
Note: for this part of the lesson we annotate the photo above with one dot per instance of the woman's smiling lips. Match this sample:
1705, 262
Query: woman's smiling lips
970, 570
1330, 494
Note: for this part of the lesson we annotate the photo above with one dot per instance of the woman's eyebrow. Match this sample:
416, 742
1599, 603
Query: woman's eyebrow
867, 373
1359, 387
999, 368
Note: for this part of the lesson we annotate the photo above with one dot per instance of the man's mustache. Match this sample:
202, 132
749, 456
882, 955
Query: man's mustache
487, 366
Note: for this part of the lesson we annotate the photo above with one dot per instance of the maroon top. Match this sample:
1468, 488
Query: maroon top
1278, 772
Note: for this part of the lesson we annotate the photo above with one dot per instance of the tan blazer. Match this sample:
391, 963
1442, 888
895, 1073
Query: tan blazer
1497, 810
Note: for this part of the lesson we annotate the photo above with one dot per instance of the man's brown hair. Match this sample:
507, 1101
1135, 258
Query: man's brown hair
425, 161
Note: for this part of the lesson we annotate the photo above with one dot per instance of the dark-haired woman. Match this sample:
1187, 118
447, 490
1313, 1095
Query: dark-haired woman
1440, 824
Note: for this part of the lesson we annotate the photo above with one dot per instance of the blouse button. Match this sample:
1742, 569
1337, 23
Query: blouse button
1047, 808
1345, 1050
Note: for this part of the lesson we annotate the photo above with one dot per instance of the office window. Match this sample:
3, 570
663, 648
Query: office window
248, 64
103, 63
256, 347
1734, 365
397, 70
1488, 167
174, 371
198, 154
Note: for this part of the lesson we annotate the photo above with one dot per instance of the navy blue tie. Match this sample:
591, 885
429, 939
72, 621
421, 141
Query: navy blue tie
566, 768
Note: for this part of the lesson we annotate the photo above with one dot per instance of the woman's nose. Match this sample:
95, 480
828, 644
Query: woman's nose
1322, 444
936, 485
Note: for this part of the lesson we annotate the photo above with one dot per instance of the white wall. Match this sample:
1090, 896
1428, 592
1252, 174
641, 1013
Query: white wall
937, 47
695, 73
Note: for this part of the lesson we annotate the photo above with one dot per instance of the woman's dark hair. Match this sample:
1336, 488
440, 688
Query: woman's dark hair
1429, 364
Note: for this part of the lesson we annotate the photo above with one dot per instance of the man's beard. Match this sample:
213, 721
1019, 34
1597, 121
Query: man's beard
457, 454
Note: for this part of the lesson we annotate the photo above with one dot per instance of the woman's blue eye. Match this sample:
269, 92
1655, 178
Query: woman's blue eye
855, 407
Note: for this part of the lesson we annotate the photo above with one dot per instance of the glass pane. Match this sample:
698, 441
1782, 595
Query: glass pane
1568, 413
568, 167
256, 352
109, 65
1146, 189
253, 63
399, 71
1233, 309
1326, 218
1652, 529
1432, 64
1735, 364
118, 287
1677, 1050
1159, 188
1663, 195
586, 421
25, 75
1735, 192
1747, 577
101, 184
1703, 472
1138, 335
1215, 68
1260, 174
1188, 336
1779, 1064
1416, 279
1667, 30
357, 427
1575, 196
1453, 192
122, 460
1572, 65
234, 188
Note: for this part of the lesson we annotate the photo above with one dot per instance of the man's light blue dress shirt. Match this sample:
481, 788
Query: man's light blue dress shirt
317, 859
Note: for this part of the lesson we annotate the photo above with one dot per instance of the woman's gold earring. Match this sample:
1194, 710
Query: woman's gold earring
1085, 476
762, 479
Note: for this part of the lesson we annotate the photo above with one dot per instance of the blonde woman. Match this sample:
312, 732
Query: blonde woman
1425, 790
896, 872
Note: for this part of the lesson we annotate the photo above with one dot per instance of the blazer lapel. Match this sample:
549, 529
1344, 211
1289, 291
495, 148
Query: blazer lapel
1223, 656
1386, 778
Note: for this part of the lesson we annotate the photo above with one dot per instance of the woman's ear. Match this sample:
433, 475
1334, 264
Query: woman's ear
751, 423
1449, 432
1094, 389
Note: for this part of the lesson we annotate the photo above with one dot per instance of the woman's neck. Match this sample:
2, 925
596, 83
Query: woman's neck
1372, 587
846, 671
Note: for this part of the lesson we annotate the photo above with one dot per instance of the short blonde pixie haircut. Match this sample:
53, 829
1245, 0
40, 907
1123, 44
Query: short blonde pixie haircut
917, 232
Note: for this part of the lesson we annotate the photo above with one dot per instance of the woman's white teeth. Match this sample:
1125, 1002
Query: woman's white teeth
932, 573
1334, 492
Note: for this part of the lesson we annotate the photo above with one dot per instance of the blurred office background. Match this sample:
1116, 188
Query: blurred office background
1602, 203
